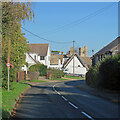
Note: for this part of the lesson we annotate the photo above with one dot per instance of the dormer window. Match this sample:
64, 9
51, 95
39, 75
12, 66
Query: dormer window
42, 57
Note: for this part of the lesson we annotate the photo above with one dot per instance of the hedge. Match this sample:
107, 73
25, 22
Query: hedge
55, 73
41, 68
106, 74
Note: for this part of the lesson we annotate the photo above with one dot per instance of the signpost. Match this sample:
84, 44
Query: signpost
8, 66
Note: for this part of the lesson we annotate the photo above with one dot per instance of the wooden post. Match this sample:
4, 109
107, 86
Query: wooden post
8, 59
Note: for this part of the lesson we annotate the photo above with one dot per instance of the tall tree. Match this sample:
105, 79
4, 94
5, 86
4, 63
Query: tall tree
12, 15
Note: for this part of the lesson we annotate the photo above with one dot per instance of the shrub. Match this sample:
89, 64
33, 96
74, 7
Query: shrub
55, 73
92, 76
109, 72
33, 75
35, 67
43, 70
105, 74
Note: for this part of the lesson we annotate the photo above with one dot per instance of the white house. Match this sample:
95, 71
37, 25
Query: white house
80, 67
109, 50
56, 61
38, 53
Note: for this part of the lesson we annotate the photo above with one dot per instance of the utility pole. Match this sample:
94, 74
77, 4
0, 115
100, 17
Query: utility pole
73, 59
92, 52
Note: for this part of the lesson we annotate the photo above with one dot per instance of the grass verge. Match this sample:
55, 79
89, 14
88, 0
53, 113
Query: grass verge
9, 98
34, 81
74, 77
60, 79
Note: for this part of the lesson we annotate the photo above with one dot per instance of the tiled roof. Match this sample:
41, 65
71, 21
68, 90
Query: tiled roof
87, 60
41, 49
54, 60
109, 47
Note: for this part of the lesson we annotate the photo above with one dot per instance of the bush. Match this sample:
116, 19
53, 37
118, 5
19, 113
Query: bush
92, 76
35, 67
43, 70
106, 74
55, 73
109, 72
33, 75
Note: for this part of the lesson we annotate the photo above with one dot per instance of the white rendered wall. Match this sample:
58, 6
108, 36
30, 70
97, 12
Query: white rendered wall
78, 70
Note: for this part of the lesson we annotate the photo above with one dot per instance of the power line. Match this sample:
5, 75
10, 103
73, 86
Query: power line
80, 20
45, 38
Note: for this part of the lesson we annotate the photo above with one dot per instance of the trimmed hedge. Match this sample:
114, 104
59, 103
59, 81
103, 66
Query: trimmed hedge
109, 71
41, 68
55, 73
106, 74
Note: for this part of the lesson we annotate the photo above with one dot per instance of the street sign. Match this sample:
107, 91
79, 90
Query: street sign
8, 64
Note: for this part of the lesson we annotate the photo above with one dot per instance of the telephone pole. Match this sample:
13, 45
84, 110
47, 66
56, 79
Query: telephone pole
73, 59
92, 52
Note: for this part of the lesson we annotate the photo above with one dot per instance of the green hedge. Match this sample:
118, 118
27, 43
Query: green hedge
92, 76
106, 74
41, 68
109, 71
55, 73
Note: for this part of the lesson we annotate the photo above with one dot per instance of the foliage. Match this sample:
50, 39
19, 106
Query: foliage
55, 73
106, 74
110, 73
92, 76
55, 52
43, 70
35, 67
8, 99
12, 15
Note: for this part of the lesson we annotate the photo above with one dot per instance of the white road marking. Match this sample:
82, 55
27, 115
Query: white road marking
64, 98
73, 105
87, 115
56, 90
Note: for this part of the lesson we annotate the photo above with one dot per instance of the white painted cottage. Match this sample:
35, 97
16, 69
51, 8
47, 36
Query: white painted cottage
38, 53
80, 68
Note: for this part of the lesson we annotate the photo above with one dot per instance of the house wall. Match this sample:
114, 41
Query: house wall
78, 70
47, 58
55, 66
29, 60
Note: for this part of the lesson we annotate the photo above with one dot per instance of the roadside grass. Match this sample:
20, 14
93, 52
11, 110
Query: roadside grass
60, 79
74, 77
9, 98
34, 81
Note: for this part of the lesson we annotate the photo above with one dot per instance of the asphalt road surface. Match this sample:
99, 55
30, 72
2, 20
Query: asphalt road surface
63, 100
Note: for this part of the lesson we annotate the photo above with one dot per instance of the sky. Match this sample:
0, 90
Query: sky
94, 24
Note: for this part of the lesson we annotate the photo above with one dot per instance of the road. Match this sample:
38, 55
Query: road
63, 100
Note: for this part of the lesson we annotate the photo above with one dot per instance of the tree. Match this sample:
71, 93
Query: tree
13, 13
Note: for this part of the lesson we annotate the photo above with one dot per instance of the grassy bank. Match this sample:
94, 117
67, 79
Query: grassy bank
34, 81
9, 98
74, 77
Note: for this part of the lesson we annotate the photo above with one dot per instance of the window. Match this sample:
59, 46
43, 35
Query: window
42, 57
35, 57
